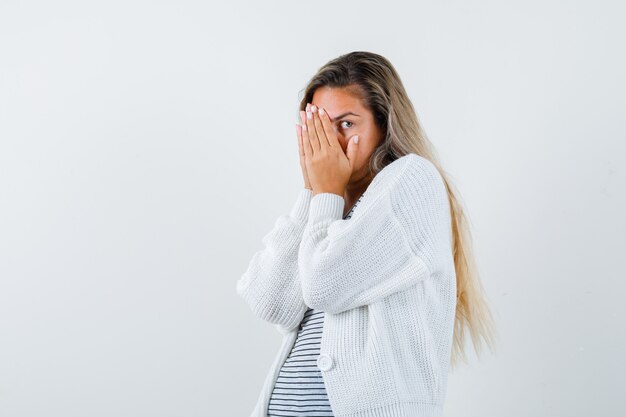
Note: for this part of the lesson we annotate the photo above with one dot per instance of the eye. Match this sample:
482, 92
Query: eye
345, 121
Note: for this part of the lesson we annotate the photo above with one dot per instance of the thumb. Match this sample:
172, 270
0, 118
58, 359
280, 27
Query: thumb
352, 148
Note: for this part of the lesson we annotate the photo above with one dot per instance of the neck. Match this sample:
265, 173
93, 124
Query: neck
354, 190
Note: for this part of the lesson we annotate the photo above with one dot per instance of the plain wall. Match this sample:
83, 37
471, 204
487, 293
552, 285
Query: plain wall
146, 148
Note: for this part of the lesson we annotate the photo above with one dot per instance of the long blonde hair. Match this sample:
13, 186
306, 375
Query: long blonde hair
371, 77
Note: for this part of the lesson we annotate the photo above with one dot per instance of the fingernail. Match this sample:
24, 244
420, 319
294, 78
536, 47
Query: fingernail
322, 112
356, 139
313, 108
309, 115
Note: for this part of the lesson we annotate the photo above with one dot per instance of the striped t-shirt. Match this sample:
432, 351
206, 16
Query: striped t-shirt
299, 389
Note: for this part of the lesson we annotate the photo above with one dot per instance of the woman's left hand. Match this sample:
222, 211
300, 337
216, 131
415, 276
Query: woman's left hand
328, 168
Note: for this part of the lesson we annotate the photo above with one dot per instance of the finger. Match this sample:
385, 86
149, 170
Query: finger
299, 134
311, 134
319, 129
306, 143
330, 133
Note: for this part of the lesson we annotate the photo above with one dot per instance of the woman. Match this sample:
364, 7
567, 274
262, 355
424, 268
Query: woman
374, 301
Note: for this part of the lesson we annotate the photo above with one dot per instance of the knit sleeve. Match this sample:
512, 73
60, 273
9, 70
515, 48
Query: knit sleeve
270, 285
379, 251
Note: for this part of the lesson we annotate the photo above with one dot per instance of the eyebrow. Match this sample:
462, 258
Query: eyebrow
344, 115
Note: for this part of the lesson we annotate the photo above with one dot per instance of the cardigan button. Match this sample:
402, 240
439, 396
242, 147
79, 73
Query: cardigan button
324, 362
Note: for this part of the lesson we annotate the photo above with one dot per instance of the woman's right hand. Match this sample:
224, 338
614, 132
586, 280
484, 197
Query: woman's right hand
301, 149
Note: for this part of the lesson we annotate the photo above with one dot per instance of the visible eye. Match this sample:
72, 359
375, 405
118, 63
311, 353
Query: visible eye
345, 121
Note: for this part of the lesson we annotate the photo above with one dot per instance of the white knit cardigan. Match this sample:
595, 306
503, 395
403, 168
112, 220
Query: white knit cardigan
386, 282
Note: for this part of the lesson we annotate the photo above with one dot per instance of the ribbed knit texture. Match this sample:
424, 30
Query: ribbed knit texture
299, 390
385, 281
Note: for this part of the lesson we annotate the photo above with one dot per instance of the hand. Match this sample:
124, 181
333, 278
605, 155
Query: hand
328, 168
305, 175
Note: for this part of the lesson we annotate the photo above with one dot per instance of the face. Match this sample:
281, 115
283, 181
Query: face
349, 117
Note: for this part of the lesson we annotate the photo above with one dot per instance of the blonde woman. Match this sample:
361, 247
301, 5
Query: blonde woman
370, 276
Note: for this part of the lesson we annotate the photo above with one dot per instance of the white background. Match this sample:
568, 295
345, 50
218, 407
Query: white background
146, 147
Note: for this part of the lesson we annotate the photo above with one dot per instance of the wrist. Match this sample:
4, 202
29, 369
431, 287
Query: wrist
337, 192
